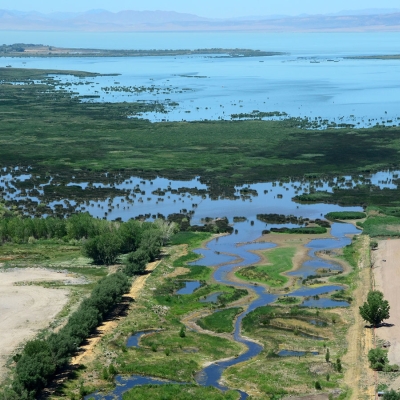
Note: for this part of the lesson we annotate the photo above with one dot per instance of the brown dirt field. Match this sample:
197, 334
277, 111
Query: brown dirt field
358, 376
25, 310
387, 280
87, 351
386, 267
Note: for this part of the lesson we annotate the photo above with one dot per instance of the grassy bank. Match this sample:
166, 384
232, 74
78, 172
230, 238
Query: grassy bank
280, 261
220, 321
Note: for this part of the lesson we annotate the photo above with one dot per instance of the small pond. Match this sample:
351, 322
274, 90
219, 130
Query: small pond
324, 303
211, 298
133, 341
190, 287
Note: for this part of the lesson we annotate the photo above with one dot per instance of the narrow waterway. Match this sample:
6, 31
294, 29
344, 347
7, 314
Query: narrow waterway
225, 254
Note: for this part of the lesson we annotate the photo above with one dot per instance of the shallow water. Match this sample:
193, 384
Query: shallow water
190, 287
133, 196
354, 91
212, 298
292, 353
324, 303
133, 341
125, 383
211, 375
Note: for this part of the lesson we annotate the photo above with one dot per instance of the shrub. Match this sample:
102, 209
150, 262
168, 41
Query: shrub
104, 249
378, 359
136, 262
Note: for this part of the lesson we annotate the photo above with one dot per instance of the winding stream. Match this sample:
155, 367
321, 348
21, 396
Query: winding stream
226, 253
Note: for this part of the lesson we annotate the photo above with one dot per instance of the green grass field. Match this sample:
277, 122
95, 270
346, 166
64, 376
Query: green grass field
281, 261
178, 392
220, 321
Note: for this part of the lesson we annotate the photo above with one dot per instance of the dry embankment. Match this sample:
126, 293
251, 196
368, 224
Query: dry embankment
108, 326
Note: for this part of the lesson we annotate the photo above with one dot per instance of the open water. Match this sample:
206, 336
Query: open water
313, 79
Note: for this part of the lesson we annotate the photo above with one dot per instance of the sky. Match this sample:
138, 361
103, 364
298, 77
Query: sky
205, 8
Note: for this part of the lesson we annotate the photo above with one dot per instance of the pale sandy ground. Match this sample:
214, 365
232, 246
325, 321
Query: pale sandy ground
387, 280
108, 326
25, 310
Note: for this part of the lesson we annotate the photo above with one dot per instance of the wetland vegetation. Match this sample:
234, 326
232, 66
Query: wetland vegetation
222, 151
61, 138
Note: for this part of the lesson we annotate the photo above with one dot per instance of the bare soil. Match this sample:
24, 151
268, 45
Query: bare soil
387, 279
386, 267
27, 308
87, 351
358, 376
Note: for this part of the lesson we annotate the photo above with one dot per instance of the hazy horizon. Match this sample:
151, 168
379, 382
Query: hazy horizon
207, 9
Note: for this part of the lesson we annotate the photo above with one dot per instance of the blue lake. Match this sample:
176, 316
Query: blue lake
361, 92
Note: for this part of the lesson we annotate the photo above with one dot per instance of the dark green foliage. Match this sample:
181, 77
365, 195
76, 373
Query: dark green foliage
182, 332
375, 309
378, 359
136, 262
315, 230
130, 233
151, 242
103, 241
81, 225
112, 370
391, 395
34, 368
104, 249
19, 230
338, 366
41, 358
343, 215
318, 385
327, 355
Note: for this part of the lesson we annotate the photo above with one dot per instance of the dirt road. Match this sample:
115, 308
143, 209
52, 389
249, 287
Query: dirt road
359, 377
108, 326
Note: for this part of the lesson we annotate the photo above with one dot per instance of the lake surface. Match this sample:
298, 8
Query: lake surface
312, 80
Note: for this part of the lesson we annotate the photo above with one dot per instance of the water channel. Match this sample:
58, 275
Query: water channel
226, 253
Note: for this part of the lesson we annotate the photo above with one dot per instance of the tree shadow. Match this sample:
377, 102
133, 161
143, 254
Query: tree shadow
382, 325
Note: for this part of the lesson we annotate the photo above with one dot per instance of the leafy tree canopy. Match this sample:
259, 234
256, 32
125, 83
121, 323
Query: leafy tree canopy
375, 309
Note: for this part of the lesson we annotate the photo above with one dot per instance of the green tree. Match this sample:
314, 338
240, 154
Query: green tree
182, 332
136, 262
375, 309
391, 395
104, 249
327, 355
378, 359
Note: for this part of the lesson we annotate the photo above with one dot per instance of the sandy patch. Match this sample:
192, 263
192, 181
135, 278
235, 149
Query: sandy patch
87, 351
25, 310
386, 267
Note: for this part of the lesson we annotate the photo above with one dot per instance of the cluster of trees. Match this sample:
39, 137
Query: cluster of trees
102, 240
41, 358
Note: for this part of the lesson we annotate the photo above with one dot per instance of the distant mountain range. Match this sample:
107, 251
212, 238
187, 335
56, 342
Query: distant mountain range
153, 21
